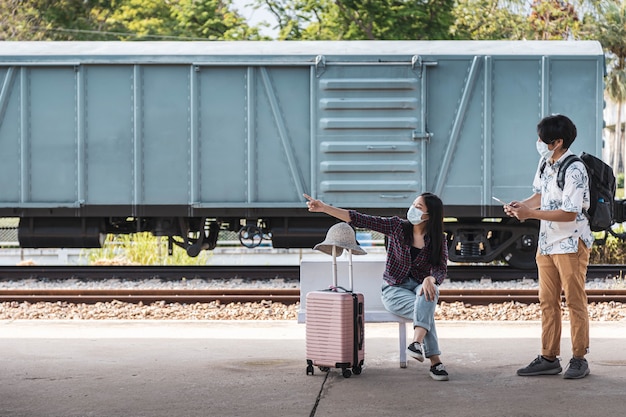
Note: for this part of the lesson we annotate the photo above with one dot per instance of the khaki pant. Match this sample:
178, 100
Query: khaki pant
567, 272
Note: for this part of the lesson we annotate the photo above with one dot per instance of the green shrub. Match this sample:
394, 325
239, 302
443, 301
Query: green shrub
140, 249
613, 251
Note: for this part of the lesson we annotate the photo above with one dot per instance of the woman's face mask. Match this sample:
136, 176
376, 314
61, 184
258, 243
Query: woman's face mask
542, 149
414, 215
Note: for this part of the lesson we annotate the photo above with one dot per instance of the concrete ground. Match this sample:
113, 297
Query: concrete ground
228, 368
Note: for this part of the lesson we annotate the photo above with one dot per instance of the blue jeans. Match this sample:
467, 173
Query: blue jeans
402, 300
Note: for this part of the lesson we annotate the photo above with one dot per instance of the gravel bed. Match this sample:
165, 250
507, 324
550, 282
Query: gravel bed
266, 310
118, 310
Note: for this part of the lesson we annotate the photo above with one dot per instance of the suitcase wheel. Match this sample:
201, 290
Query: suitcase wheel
346, 373
324, 368
357, 370
310, 370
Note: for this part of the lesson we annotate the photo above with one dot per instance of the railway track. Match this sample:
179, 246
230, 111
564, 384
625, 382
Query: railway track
139, 272
148, 296
455, 272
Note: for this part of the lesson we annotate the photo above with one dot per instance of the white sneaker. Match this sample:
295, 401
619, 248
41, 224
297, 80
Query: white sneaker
438, 372
416, 351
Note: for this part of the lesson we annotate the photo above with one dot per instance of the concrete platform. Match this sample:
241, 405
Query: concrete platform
173, 368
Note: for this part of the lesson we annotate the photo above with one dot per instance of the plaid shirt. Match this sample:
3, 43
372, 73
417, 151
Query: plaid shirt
399, 265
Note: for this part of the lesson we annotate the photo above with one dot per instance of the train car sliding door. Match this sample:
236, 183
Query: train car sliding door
371, 134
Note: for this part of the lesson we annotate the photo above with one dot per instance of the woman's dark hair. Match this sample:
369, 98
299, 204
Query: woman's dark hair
434, 227
557, 126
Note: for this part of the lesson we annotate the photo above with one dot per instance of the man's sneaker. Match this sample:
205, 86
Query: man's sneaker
541, 366
416, 351
577, 368
438, 372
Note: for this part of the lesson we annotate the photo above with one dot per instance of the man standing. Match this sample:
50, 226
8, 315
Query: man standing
565, 240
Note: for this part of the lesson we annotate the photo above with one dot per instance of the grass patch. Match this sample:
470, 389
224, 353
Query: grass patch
141, 249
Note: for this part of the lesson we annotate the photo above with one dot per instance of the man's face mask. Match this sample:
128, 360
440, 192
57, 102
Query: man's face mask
542, 149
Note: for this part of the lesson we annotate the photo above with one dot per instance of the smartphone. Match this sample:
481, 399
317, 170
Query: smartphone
500, 201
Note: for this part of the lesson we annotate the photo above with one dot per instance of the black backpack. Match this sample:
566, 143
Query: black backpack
601, 189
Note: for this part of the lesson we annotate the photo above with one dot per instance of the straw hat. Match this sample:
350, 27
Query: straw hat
342, 236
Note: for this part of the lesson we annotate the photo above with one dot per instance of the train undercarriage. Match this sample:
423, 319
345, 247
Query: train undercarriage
470, 239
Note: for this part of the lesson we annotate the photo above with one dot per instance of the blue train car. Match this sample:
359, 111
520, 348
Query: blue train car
184, 139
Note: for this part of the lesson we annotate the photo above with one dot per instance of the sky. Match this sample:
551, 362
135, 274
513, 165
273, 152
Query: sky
256, 16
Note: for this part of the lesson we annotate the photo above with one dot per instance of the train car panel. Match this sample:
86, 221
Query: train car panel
578, 95
282, 135
50, 168
109, 142
163, 136
10, 132
465, 138
223, 95
513, 98
454, 120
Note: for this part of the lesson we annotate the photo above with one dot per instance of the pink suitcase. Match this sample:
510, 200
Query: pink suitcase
335, 328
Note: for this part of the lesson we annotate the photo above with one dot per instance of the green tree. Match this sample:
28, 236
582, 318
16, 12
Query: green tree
361, 19
397, 19
489, 20
553, 20
211, 20
121, 20
512, 19
182, 19
47, 20
611, 32
141, 19
17, 20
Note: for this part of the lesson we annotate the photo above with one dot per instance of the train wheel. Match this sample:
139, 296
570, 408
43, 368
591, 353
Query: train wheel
522, 249
195, 249
250, 236
522, 256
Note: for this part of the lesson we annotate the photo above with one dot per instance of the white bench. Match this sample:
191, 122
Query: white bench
316, 274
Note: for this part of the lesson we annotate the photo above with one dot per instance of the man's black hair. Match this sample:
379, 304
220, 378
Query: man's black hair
557, 126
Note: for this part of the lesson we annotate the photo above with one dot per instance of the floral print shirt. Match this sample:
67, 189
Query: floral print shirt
563, 237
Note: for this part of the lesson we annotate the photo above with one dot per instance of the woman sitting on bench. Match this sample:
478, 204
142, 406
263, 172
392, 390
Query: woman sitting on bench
417, 259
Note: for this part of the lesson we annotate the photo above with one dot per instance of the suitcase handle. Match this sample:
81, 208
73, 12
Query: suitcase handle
350, 268
334, 288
